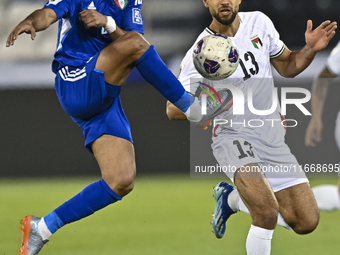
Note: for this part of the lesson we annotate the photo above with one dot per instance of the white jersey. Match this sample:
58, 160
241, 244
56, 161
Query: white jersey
333, 61
257, 41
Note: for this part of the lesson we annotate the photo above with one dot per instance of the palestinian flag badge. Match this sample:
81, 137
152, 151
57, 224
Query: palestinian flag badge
121, 3
256, 41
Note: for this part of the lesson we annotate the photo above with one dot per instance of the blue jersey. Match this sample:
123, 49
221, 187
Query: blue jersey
77, 44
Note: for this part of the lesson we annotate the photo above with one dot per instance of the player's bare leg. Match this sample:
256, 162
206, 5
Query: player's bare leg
298, 207
116, 159
258, 196
117, 60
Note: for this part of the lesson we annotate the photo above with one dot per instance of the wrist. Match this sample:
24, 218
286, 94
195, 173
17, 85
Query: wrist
110, 26
316, 119
310, 49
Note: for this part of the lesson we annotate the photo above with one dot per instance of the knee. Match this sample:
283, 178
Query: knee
266, 215
136, 43
305, 225
124, 186
121, 184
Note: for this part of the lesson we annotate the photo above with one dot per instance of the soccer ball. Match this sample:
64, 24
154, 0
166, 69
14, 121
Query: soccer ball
216, 57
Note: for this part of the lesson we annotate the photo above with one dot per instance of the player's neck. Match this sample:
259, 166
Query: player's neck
230, 30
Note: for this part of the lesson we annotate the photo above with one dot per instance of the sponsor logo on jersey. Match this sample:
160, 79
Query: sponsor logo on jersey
121, 3
137, 16
256, 41
138, 2
91, 6
54, 2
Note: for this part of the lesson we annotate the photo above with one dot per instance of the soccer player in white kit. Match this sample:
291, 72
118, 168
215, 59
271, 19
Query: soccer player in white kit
271, 198
327, 196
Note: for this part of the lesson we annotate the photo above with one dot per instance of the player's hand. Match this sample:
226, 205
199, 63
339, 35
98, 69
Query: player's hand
319, 38
92, 18
23, 27
313, 133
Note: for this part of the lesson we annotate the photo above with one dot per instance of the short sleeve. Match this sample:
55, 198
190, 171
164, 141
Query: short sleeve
132, 16
59, 6
333, 61
277, 46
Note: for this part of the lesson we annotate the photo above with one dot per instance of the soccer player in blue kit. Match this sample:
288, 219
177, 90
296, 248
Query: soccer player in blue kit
99, 43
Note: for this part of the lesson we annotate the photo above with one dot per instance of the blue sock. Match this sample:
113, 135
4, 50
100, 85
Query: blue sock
93, 198
155, 72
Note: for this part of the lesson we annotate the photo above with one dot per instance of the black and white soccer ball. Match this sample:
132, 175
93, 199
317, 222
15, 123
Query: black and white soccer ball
216, 57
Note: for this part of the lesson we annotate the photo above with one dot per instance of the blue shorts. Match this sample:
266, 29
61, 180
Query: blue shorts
92, 103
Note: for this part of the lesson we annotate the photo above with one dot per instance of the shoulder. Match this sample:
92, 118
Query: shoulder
253, 16
256, 18
132, 2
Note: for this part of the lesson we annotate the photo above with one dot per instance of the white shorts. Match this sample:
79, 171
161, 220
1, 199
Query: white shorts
278, 164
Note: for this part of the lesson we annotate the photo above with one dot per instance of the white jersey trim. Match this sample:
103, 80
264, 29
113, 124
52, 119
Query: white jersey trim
279, 53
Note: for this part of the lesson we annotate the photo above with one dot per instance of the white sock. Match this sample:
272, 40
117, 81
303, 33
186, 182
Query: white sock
259, 241
327, 197
236, 204
234, 201
194, 112
43, 230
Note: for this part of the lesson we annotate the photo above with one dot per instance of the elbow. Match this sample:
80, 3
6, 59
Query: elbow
288, 74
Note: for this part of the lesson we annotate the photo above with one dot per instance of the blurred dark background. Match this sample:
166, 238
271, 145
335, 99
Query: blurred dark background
290, 16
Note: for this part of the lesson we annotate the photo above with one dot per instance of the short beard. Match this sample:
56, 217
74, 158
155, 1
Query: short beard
225, 22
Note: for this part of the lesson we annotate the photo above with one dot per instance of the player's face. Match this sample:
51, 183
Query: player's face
224, 11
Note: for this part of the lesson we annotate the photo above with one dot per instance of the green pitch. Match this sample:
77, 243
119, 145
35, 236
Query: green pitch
164, 215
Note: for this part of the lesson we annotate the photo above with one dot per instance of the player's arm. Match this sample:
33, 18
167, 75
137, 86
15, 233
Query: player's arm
174, 113
37, 21
92, 18
289, 63
319, 93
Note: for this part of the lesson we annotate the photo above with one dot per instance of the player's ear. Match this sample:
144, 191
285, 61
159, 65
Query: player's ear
205, 3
